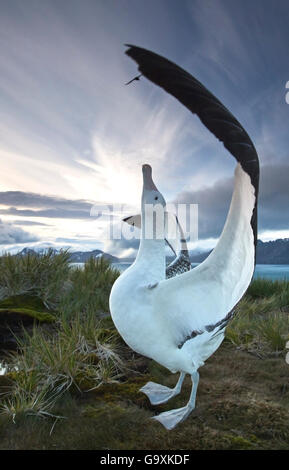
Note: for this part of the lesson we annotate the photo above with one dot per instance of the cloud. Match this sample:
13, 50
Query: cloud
213, 202
70, 129
28, 222
27, 199
11, 235
122, 248
274, 198
48, 213
39, 205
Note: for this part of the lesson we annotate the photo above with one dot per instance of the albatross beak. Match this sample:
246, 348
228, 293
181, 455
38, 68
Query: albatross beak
147, 178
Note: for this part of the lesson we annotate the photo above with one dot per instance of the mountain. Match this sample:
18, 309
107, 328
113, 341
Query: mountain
273, 252
75, 256
82, 256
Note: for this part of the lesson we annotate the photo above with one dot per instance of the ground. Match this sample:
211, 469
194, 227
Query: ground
242, 403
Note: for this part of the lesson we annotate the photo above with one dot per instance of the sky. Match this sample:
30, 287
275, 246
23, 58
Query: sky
73, 137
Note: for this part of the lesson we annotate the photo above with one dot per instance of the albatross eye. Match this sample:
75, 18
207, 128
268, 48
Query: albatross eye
156, 198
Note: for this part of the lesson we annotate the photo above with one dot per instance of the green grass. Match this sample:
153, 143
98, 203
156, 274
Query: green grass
42, 275
261, 322
90, 288
22, 306
265, 288
242, 403
46, 282
75, 385
80, 352
81, 355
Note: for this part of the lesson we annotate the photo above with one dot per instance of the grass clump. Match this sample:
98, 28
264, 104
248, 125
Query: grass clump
274, 330
76, 358
261, 322
266, 288
47, 282
90, 288
42, 275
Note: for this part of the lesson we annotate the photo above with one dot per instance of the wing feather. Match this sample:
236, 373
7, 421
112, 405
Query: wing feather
200, 101
200, 300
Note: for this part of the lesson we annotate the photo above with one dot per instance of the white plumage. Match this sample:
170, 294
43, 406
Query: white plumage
180, 322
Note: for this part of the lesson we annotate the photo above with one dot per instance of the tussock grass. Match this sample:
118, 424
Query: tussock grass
266, 288
261, 322
274, 330
49, 276
78, 369
80, 356
42, 275
90, 288
79, 353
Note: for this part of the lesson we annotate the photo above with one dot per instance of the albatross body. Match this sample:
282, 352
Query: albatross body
180, 321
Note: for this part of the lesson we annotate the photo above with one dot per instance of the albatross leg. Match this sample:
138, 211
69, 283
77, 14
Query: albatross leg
169, 419
158, 394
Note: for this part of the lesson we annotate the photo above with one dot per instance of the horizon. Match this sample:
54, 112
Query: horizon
46, 246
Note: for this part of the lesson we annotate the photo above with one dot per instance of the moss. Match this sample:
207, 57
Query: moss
27, 301
127, 392
158, 371
27, 312
30, 307
98, 412
239, 442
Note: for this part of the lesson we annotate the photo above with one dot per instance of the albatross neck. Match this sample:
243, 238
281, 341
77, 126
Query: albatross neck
151, 253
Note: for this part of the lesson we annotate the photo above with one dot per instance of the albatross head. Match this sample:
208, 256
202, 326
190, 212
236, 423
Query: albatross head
150, 194
153, 207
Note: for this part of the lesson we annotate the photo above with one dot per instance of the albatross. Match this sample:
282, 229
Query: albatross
180, 321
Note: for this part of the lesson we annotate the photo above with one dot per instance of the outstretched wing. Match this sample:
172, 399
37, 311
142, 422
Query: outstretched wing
200, 101
202, 298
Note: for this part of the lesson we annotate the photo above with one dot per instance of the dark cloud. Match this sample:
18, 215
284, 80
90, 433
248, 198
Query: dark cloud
39, 205
33, 200
28, 222
213, 202
10, 234
49, 213
274, 198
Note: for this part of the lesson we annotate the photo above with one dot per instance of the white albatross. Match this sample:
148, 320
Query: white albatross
180, 322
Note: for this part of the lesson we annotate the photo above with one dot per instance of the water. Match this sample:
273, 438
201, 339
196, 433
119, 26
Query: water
266, 271
272, 271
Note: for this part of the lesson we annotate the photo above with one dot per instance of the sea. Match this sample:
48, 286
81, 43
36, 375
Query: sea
265, 271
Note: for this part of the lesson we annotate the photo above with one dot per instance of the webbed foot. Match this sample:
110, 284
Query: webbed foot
169, 419
157, 393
